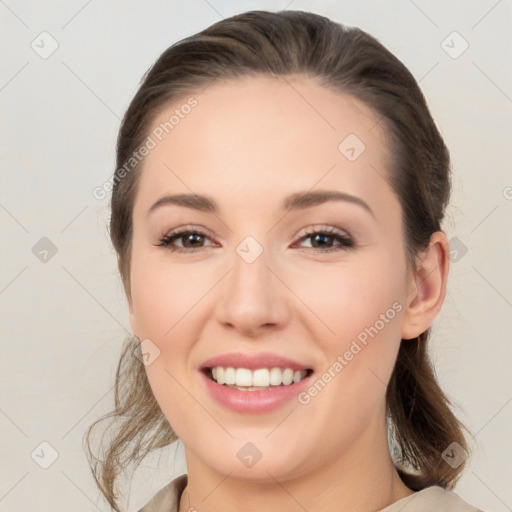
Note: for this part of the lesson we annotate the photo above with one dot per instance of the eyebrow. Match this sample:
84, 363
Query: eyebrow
296, 201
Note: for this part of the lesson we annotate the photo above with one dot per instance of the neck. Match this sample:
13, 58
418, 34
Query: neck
363, 479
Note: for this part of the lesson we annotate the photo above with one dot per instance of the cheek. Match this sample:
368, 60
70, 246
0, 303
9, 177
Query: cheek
162, 295
163, 298
168, 301
360, 308
348, 297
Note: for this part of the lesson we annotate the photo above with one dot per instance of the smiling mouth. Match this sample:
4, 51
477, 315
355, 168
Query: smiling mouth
261, 379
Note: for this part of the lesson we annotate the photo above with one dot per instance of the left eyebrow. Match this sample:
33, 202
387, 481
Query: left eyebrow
296, 201
303, 200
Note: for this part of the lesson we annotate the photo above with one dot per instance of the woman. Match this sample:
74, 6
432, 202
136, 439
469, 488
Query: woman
276, 211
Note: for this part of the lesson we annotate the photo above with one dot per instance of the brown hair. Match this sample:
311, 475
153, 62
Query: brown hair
421, 424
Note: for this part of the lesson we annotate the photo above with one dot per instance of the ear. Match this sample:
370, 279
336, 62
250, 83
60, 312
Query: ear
427, 287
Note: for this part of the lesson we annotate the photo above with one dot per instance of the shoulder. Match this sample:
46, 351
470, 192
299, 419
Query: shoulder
432, 498
167, 499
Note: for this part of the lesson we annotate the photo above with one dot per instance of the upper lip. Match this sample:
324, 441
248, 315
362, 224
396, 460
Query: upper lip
253, 361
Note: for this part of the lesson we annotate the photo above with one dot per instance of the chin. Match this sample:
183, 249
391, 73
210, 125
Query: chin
258, 462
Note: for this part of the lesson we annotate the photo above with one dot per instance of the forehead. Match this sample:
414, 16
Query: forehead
262, 135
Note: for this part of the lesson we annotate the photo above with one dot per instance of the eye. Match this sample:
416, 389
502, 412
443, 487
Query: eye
191, 239
323, 240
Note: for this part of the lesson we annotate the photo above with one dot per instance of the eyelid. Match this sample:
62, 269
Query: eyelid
344, 239
324, 228
338, 234
196, 228
181, 232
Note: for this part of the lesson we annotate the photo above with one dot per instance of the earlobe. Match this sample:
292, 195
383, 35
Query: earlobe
428, 291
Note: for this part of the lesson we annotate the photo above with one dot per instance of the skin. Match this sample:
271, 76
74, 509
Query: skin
248, 144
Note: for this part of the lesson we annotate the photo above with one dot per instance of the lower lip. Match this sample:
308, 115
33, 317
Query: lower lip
254, 401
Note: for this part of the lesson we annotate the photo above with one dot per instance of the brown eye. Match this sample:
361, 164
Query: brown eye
190, 240
328, 240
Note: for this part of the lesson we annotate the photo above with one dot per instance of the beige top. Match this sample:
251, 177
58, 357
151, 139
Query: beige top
431, 499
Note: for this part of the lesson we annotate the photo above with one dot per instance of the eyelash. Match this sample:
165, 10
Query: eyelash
345, 241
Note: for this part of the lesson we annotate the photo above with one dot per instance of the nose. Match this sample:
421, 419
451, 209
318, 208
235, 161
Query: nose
253, 300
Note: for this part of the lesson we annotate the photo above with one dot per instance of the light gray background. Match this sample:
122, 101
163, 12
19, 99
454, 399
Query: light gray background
63, 320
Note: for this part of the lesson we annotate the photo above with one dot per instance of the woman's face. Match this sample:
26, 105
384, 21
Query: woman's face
276, 269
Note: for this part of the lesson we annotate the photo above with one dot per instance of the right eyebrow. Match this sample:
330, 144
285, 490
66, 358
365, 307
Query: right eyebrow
194, 201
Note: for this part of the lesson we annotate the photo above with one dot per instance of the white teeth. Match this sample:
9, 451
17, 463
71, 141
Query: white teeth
243, 377
276, 376
262, 377
287, 376
230, 376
